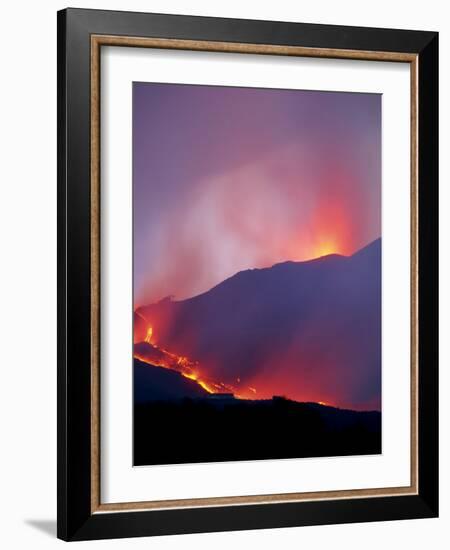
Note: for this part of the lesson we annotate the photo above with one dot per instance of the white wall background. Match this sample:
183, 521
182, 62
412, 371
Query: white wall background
28, 271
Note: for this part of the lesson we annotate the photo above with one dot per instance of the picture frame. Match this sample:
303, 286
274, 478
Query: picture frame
81, 36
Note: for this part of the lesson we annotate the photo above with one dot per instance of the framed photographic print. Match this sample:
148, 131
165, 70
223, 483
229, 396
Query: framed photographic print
247, 274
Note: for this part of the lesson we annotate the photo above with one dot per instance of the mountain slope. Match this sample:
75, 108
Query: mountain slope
207, 430
308, 330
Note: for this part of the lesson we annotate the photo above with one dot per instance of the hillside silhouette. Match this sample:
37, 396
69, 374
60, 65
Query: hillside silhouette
176, 421
310, 330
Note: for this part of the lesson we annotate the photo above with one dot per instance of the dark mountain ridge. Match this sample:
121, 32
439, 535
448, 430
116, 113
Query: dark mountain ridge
174, 422
310, 330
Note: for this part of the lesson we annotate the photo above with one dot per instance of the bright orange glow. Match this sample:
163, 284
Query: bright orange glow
148, 338
161, 357
330, 230
273, 379
190, 375
205, 386
325, 248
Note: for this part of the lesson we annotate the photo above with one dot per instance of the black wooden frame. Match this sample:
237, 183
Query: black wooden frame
75, 520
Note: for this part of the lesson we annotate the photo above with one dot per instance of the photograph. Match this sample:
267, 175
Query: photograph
257, 255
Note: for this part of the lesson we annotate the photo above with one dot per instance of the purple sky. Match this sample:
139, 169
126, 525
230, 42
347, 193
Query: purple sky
226, 179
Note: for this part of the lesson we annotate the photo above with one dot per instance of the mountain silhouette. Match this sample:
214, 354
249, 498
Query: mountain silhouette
308, 330
207, 429
152, 383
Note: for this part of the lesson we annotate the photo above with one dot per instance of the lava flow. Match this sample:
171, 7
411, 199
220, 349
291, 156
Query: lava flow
148, 352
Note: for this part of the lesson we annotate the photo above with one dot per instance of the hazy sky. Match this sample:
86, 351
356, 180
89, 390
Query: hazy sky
226, 179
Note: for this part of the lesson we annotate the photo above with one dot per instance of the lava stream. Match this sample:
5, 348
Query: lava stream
150, 353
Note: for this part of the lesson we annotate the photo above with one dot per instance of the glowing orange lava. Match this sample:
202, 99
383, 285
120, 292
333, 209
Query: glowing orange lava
330, 230
153, 354
148, 337
160, 357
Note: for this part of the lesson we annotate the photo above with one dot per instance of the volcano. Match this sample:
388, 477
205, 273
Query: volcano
310, 330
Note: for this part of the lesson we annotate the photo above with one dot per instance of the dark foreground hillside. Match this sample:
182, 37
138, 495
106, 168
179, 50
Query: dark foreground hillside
203, 429
318, 320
